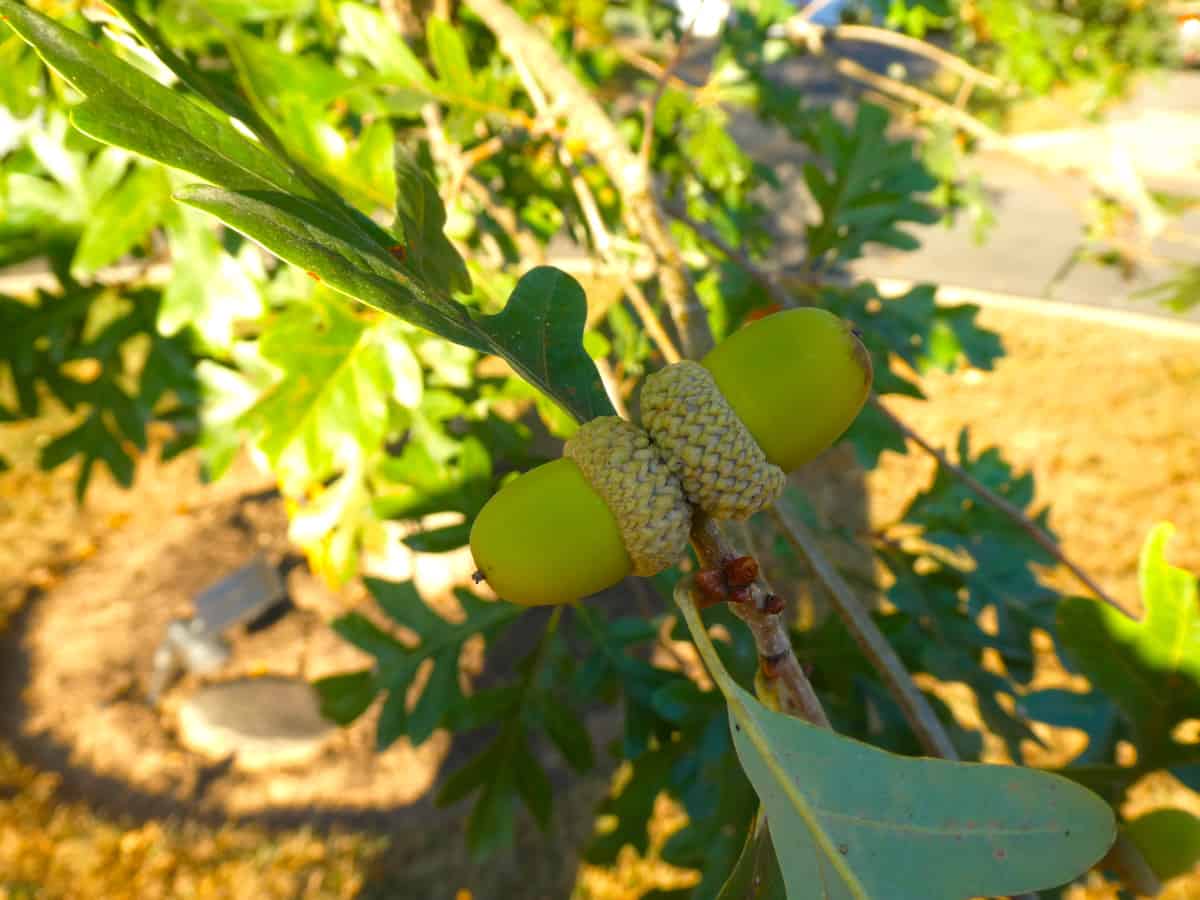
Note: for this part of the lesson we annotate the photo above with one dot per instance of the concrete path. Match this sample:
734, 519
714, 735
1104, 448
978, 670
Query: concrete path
1040, 186
1040, 201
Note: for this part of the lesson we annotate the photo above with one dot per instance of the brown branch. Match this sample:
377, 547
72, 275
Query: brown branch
654, 69
587, 122
602, 239
920, 715
1026, 524
963, 95
612, 386
485, 150
1128, 861
756, 272
658, 334
530, 247
651, 108
443, 152
917, 97
799, 29
402, 18
775, 652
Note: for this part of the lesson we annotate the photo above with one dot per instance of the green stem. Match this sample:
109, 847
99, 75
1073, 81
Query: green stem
748, 722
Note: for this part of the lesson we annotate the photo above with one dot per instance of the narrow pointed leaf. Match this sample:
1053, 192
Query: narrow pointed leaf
422, 216
229, 101
368, 33
490, 825
441, 694
302, 234
127, 108
345, 697
449, 55
204, 85
532, 784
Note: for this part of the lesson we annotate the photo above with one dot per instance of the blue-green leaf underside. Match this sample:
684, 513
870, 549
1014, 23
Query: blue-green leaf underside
851, 821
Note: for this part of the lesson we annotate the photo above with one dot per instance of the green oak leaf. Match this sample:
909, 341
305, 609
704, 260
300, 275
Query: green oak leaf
756, 874
332, 399
540, 333
1150, 668
121, 220
1169, 839
396, 669
305, 235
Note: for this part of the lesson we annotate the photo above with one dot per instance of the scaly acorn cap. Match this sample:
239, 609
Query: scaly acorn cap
624, 467
708, 447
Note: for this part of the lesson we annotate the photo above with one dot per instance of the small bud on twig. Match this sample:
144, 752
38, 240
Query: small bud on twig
772, 604
741, 595
742, 571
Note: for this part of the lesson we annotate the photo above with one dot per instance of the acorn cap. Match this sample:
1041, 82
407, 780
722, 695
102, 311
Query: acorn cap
718, 461
624, 467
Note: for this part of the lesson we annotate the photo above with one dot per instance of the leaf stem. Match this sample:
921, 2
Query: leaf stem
612, 386
917, 97
800, 29
651, 106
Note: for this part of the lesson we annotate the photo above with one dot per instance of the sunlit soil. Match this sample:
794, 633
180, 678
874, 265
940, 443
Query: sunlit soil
1107, 421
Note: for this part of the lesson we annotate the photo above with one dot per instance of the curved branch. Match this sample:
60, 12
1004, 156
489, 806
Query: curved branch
799, 29
650, 109
602, 239
917, 97
709, 234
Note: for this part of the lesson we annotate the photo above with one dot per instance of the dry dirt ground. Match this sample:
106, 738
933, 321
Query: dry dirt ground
98, 798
